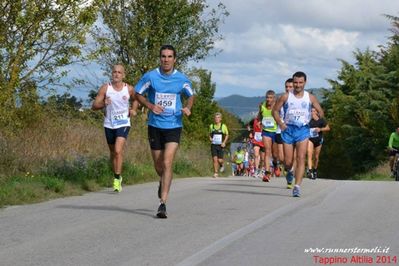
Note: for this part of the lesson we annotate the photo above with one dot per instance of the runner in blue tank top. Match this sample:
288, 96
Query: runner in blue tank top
164, 87
295, 125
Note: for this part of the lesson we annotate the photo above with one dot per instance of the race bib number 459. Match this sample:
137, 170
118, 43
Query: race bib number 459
167, 101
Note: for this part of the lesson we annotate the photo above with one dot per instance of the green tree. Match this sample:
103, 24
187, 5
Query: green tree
197, 125
65, 101
358, 112
362, 109
390, 60
135, 30
202, 114
37, 39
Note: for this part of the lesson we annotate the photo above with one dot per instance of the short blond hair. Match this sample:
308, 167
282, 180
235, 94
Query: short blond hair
218, 114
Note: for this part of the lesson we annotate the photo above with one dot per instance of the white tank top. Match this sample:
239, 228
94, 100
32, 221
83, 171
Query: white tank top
117, 113
297, 111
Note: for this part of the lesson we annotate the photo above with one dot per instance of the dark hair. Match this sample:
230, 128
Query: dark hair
167, 47
299, 74
290, 80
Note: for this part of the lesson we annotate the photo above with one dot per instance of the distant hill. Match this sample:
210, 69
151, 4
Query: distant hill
247, 107
243, 107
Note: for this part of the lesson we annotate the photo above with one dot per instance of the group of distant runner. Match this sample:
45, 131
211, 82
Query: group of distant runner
283, 133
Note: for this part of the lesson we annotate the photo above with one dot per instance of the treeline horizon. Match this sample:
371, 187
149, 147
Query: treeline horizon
39, 40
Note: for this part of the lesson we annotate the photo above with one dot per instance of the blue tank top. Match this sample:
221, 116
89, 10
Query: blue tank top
165, 90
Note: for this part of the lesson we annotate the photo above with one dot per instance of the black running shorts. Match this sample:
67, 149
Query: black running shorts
278, 138
158, 137
217, 151
316, 141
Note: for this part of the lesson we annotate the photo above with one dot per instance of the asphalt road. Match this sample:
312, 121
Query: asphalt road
224, 221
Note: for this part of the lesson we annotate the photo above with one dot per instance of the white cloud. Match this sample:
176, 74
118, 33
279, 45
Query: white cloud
266, 41
352, 15
317, 46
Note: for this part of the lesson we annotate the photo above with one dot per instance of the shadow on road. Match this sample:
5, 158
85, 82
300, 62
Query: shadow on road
145, 212
259, 185
248, 192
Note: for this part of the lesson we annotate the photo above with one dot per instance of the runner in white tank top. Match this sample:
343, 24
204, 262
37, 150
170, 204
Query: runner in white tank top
115, 97
295, 130
297, 111
117, 112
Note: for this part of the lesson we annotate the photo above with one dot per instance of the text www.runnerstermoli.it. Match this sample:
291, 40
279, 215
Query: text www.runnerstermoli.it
355, 255
355, 250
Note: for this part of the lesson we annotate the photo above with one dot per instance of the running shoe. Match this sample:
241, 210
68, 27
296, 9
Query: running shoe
266, 177
162, 211
221, 168
315, 174
159, 189
215, 175
277, 171
117, 184
296, 191
309, 174
290, 176
289, 186
284, 172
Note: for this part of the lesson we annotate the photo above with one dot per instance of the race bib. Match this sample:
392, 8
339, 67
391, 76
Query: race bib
313, 133
119, 117
258, 136
296, 117
240, 157
268, 122
167, 101
217, 139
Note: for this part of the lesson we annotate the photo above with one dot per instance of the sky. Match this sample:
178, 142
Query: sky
266, 41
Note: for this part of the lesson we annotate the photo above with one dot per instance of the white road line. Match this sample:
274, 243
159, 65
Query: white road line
220, 244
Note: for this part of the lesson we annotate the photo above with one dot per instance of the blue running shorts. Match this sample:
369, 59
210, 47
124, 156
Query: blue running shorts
293, 134
268, 134
112, 134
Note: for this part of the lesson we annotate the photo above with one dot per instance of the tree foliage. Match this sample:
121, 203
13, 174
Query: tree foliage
202, 113
65, 101
137, 28
362, 110
37, 39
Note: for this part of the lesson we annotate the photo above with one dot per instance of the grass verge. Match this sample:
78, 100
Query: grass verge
380, 173
69, 178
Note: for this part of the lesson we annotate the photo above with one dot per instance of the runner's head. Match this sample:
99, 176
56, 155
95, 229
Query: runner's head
167, 47
299, 81
299, 74
218, 117
289, 85
315, 114
270, 97
167, 55
118, 73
